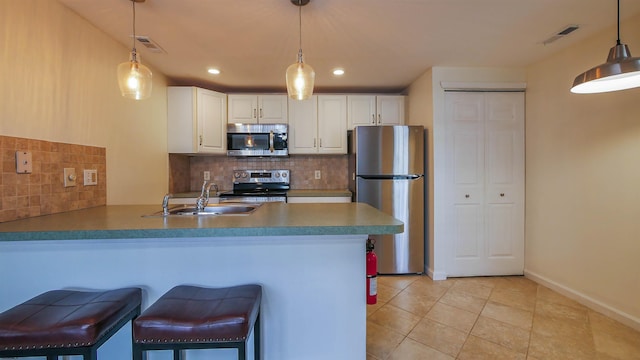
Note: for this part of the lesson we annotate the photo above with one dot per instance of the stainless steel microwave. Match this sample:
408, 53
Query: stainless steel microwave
257, 140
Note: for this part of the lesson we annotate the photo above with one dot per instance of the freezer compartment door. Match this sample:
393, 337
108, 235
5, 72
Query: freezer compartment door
388, 150
403, 199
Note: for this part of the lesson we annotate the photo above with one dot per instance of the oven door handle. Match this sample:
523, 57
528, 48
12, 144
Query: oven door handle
271, 141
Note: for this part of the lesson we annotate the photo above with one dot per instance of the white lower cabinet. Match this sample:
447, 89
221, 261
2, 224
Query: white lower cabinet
318, 125
197, 120
484, 183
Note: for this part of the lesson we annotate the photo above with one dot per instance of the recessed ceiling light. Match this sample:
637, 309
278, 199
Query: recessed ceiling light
338, 72
213, 71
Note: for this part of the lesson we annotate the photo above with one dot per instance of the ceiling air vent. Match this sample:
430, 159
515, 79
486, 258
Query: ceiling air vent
562, 33
150, 44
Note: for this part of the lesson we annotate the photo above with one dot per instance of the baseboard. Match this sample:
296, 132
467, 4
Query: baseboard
436, 275
585, 300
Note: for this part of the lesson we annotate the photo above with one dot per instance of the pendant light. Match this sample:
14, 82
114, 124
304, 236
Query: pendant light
134, 78
300, 76
620, 72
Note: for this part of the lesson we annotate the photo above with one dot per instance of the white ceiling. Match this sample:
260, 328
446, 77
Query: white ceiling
383, 45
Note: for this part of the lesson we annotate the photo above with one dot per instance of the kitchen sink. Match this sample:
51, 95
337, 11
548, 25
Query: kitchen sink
211, 210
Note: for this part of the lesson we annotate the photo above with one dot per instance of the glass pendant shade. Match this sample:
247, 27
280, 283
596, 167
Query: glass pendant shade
134, 79
300, 79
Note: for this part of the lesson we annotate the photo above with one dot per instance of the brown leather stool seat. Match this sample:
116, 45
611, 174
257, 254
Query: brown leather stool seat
191, 317
66, 322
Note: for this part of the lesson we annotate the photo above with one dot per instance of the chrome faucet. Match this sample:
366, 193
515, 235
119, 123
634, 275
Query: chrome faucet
165, 204
203, 199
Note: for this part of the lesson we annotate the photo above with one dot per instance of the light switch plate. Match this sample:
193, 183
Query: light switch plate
69, 177
23, 162
90, 177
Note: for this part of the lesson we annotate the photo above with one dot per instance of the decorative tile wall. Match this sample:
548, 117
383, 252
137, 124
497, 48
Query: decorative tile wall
42, 192
333, 168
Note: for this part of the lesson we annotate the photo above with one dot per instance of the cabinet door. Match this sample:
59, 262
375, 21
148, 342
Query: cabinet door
361, 110
303, 124
390, 109
243, 109
272, 109
332, 124
211, 121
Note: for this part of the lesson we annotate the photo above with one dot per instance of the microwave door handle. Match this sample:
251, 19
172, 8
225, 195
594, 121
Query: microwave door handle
271, 141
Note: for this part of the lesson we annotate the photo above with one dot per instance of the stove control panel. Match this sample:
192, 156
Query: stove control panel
261, 176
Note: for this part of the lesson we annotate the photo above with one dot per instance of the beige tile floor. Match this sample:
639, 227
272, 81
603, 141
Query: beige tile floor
488, 318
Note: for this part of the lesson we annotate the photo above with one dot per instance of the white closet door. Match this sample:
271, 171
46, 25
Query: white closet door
504, 182
485, 183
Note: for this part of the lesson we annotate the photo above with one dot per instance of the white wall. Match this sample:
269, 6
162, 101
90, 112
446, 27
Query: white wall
583, 181
58, 83
419, 105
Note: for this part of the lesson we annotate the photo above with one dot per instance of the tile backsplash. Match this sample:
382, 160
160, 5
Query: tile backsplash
187, 173
42, 192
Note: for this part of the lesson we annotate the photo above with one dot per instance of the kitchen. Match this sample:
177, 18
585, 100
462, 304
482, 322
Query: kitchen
580, 187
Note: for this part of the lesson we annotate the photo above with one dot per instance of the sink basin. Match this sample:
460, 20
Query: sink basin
211, 210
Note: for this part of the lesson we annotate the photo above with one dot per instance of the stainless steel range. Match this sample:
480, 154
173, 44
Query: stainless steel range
257, 186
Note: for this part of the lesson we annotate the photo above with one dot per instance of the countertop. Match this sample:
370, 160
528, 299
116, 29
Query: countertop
271, 219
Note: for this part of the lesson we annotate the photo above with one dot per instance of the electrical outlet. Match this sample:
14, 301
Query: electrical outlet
207, 175
90, 177
318, 174
69, 177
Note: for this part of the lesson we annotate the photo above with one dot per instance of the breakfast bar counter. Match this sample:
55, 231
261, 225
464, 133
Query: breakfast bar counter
309, 258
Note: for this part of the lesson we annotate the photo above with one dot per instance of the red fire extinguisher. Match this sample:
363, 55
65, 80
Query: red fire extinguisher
372, 274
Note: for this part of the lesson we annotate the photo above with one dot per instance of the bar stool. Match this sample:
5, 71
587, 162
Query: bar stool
191, 317
66, 322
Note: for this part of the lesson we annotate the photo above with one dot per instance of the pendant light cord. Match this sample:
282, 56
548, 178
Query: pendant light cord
134, 25
618, 41
300, 21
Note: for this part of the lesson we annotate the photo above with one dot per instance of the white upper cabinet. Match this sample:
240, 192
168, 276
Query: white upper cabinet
197, 120
375, 110
318, 125
254, 109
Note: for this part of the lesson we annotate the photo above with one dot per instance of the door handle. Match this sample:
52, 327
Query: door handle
271, 141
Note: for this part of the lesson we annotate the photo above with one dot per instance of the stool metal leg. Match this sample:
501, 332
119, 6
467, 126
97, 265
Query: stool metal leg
242, 351
178, 354
256, 339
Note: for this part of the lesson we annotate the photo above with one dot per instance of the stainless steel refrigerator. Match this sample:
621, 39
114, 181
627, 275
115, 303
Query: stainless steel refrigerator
386, 166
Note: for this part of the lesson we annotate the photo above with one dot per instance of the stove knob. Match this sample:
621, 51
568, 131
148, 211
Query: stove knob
244, 174
236, 174
277, 175
284, 174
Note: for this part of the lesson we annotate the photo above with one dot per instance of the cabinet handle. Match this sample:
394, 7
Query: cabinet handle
320, 142
501, 194
200, 140
260, 113
379, 119
314, 142
373, 118
255, 111
466, 195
